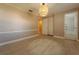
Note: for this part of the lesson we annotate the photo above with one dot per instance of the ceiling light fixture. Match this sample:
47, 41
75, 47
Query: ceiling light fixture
43, 10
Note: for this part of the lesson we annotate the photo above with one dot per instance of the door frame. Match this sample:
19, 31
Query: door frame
76, 24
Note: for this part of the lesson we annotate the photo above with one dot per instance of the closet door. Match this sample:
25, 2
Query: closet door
45, 26
48, 26
71, 26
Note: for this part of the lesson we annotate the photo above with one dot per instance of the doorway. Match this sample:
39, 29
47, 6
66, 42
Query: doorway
71, 26
47, 26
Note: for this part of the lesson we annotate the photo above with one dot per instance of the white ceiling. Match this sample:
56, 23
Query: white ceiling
53, 7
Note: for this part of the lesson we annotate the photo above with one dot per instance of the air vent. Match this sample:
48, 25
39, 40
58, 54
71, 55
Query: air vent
30, 10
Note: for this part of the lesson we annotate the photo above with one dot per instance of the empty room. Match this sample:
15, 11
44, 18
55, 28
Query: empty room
39, 28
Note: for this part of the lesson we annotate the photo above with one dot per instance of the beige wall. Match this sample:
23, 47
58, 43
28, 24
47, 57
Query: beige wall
59, 22
15, 24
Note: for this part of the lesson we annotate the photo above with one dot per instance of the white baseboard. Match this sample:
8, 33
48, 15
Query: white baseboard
64, 38
60, 37
13, 41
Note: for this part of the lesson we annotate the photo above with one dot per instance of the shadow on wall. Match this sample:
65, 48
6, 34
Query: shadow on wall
13, 25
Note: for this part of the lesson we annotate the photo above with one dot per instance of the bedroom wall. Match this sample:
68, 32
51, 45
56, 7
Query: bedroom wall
59, 22
15, 24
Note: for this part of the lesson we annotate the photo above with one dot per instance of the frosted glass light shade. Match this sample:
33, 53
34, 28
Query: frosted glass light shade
43, 10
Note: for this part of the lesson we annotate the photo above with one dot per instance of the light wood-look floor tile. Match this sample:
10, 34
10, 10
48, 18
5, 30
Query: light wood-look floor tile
41, 45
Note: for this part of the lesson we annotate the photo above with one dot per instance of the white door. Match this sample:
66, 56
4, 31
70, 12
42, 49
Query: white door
71, 26
48, 26
45, 26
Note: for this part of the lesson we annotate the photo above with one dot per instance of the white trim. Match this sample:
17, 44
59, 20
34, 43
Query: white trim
60, 37
13, 41
64, 38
